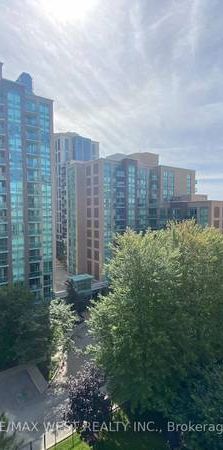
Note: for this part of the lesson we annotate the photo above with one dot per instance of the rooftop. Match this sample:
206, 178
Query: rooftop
81, 277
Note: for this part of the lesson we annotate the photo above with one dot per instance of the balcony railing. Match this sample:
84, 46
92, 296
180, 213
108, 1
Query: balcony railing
31, 124
34, 218
35, 274
34, 245
36, 287
3, 280
35, 258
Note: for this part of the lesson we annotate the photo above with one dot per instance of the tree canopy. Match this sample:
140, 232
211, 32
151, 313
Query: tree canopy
160, 327
88, 403
8, 440
29, 330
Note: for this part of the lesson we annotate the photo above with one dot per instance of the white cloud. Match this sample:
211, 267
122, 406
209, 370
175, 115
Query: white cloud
133, 74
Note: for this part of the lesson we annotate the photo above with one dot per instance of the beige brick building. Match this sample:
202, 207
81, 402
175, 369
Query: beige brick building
108, 195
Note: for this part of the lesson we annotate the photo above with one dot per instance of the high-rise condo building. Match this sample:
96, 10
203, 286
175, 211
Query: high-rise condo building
26, 215
108, 195
68, 146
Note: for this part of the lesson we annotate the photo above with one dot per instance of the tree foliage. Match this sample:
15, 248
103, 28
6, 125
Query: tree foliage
88, 403
24, 327
62, 321
161, 326
8, 440
31, 331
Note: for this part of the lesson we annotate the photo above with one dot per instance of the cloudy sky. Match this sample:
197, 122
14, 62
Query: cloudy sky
132, 74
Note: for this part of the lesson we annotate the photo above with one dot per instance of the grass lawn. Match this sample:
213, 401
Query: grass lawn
118, 441
70, 444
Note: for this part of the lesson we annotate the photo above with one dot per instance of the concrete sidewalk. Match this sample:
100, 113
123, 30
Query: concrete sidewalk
24, 398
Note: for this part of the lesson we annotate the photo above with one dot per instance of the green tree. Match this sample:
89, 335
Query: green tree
31, 331
161, 325
24, 327
8, 441
88, 402
62, 321
199, 400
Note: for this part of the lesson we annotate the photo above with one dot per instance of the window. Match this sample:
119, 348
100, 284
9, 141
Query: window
88, 212
88, 170
96, 271
89, 267
96, 212
216, 211
3, 245
96, 223
96, 255
96, 191
89, 242
3, 259
96, 244
204, 216
95, 168
89, 233
188, 184
89, 253
96, 234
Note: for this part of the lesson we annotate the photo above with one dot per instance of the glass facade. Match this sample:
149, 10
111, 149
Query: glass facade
26, 218
68, 147
168, 185
142, 199
188, 184
72, 219
203, 216
46, 206
126, 199
131, 202
4, 261
108, 213
84, 149
16, 185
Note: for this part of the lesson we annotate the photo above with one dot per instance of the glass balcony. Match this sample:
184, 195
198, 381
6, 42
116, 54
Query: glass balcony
31, 122
34, 232
35, 274
3, 249
34, 218
3, 280
34, 245
35, 258
36, 287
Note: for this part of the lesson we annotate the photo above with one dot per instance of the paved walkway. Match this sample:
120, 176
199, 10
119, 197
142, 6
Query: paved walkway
22, 402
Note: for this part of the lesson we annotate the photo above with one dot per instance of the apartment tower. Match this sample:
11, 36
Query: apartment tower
26, 161
108, 195
68, 146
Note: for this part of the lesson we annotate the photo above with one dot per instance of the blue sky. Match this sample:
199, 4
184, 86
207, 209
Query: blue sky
132, 74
